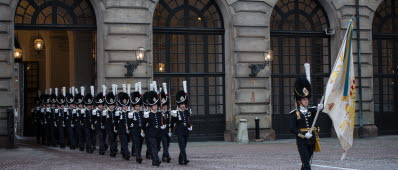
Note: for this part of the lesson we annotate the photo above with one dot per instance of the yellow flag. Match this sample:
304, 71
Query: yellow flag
340, 93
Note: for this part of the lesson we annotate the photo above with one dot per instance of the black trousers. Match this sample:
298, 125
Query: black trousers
89, 139
71, 136
137, 143
154, 145
101, 139
38, 132
61, 133
43, 133
182, 144
306, 150
81, 135
124, 143
165, 144
112, 136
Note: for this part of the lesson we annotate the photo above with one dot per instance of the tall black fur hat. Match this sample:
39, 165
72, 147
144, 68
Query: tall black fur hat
302, 88
181, 97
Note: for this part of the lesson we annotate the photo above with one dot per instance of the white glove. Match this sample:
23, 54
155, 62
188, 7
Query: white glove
308, 135
117, 113
63, 125
92, 127
102, 127
173, 113
130, 115
72, 125
146, 114
190, 128
55, 124
163, 127
169, 134
320, 106
115, 131
142, 134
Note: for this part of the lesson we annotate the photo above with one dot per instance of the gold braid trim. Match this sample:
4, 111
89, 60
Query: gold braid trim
317, 141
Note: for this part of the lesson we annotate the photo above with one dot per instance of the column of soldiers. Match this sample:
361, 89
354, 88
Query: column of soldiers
79, 119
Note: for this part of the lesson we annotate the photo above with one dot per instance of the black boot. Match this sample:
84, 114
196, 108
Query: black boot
139, 160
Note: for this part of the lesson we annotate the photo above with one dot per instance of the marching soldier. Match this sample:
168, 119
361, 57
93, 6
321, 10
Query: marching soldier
181, 121
52, 124
61, 115
47, 120
146, 137
123, 126
154, 125
80, 110
301, 120
100, 116
89, 129
36, 118
166, 133
111, 119
70, 119
137, 123
42, 117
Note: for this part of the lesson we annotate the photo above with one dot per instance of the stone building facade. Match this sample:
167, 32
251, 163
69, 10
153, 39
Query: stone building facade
123, 26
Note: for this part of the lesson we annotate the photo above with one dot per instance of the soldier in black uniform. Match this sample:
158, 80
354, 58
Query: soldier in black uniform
71, 121
111, 119
61, 116
100, 116
79, 128
301, 120
136, 122
52, 124
166, 133
181, 121
123, 101
42, 117
36, 118
154, 124
89, 115
146, 137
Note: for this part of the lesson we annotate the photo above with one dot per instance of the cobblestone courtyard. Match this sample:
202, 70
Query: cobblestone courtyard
369, 153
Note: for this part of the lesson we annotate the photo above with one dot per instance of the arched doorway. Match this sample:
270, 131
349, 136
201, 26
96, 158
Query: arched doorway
188, 44
68, 58
298, 37
385, 66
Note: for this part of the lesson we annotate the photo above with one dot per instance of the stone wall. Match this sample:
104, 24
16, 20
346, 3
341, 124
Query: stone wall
126, 25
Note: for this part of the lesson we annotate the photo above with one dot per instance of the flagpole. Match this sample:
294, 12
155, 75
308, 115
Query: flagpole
316, 115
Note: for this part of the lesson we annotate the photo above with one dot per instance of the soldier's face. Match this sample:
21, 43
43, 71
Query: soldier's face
80, 105
47, 105
182, 106
124, 107
71, 105
101, 107
164, 107
62, 106
304, 102
137, 107
89, 106
111, 107
52, 105
154, 107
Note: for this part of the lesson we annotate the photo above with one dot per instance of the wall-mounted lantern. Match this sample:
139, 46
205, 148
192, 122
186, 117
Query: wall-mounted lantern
131, 66
255, 68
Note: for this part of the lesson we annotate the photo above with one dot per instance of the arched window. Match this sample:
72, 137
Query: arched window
385, 66
297, 37
47, 13
188, 44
